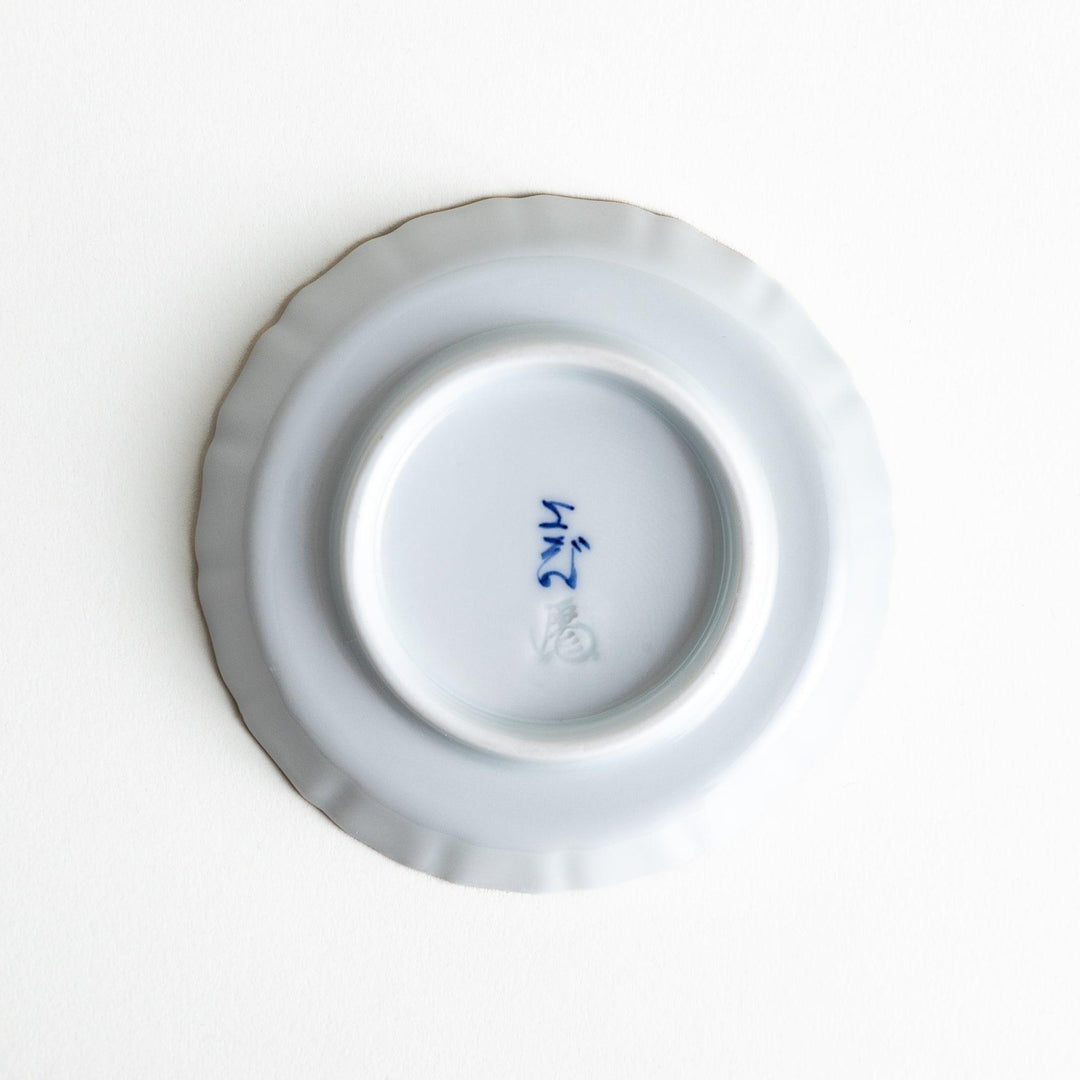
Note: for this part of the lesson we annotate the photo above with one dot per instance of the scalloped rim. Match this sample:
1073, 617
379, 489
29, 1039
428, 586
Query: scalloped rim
456, 237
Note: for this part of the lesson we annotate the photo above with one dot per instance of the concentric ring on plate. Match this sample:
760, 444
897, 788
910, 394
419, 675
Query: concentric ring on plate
450, 629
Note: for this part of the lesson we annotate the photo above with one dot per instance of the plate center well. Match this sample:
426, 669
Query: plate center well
539, 546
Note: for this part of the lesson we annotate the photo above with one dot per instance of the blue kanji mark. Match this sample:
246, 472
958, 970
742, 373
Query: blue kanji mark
557, 549
556, 508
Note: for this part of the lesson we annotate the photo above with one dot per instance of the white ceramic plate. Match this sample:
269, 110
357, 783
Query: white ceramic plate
542, 540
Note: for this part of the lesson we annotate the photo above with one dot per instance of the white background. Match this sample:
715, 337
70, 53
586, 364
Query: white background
171, 172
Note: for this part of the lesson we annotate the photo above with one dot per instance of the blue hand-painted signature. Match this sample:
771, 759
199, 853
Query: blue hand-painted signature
557, 549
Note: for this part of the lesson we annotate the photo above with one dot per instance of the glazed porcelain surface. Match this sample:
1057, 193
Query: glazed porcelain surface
542, 540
